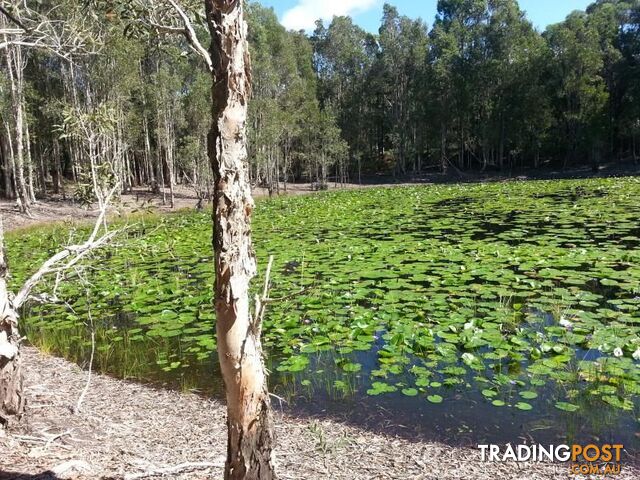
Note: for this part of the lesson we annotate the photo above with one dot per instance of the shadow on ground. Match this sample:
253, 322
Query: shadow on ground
6, 475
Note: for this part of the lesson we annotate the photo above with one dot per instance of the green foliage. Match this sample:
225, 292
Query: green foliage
479, 89
516, 292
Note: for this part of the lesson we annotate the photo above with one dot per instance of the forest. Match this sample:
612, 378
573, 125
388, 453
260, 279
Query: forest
480, 89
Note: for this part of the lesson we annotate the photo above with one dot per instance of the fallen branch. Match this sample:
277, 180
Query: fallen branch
261, 302
68, 468
76, 410
173, 470
77, 252
287, 297
57, 436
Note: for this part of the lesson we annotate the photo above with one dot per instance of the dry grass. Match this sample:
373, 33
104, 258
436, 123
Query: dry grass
125, 428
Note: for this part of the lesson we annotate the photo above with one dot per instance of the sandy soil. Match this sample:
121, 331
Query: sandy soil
126, 430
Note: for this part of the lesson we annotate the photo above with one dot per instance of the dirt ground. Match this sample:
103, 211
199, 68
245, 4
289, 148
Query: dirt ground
126, 430
55, 209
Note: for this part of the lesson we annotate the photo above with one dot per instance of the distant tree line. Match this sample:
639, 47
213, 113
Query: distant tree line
482, 89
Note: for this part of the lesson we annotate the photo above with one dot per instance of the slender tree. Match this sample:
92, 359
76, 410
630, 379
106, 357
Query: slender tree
250, 436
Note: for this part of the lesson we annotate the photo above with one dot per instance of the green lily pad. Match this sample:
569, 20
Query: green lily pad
567, 407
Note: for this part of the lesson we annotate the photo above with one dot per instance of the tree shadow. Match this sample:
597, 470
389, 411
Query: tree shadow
48, 475
459, 422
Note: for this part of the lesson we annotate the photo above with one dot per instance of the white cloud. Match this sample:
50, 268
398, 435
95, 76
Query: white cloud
306, 12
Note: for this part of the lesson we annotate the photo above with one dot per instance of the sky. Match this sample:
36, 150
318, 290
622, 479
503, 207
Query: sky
301, 14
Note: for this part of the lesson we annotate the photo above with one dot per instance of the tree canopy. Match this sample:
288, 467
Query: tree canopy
479, 89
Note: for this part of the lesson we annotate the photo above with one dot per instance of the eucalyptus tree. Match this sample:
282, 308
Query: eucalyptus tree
456, 54
580, 94
284, 99
192, 144
343, 55
249, 417
25, 31
14, 67
629, 120
616, 23
514, 119
402, 58
250, 423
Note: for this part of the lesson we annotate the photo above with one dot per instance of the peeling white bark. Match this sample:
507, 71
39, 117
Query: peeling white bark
250, 436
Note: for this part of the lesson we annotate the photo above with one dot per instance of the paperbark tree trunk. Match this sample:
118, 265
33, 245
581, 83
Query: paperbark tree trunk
249, 417
11, 397
14, 69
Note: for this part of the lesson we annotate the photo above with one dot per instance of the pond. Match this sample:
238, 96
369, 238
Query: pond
464, 313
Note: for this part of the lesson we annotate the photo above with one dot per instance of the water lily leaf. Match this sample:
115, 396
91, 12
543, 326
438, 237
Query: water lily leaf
409, 392
528, 395
567, 407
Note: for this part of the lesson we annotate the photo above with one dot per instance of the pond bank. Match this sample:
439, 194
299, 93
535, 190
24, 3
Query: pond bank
55, 209
126, 428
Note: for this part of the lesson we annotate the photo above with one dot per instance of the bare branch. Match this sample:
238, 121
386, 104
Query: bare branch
77, 252
13, 19
187, 30
61, 37
261, 302
191, 35
267, 276
10, 31
167, 28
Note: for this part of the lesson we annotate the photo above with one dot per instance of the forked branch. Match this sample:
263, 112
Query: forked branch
186, 29
76, 252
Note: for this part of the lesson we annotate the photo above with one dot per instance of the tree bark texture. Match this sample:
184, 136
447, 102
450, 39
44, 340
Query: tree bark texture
249, 421
12, 400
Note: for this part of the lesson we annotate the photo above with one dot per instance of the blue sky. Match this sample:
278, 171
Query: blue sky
299, 14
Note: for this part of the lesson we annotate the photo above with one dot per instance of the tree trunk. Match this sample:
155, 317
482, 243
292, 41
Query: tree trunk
11, 398
11, 167
250, 424
14, 68
169, 157
27, 141
444, 164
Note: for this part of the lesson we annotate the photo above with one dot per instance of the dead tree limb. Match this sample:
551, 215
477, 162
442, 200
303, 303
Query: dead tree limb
186, 30
77, 252
12, 400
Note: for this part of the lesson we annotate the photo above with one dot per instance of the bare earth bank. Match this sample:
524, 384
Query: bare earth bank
128, 430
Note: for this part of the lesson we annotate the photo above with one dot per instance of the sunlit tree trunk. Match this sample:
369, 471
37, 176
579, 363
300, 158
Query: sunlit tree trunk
27, 141
11, 398
10, 177
169, 141
249, 418
14, 69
